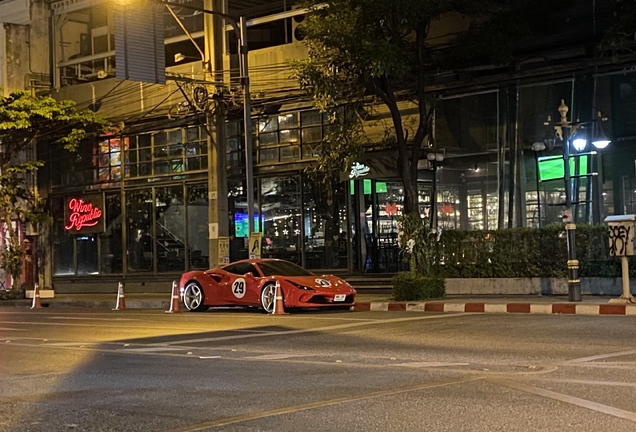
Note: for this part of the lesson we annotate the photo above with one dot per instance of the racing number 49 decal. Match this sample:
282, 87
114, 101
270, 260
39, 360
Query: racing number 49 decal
239, 287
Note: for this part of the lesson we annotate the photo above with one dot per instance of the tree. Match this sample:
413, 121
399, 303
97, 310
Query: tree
377, 51
620, 37
25, 120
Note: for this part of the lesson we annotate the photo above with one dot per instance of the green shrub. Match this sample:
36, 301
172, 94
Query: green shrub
409, 286
524, 252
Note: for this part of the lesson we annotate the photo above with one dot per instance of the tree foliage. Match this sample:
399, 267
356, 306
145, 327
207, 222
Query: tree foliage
377, 51
621, 35
25, 120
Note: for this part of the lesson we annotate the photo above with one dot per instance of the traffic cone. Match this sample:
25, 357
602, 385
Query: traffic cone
175, 302
121, 301
36, 298
279, 306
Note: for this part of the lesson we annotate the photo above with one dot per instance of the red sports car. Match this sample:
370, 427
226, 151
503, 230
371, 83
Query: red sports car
252, 283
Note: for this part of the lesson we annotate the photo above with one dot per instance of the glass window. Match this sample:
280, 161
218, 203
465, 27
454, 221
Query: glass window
140, 247
193, 133
269, 155
241, 269
288, 121
268, 138
198, 243
170, 229
289, 136
325, 224
310, 151
281, 201
63, 243
86, 254
268, 125
289, 153
312, 134
111, 239
310, 118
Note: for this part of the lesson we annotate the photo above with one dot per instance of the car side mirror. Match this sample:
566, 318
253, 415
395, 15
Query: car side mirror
248, 275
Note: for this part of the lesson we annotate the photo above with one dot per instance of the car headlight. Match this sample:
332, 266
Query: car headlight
302, 287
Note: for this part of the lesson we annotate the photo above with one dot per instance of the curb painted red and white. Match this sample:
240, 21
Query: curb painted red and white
528, 308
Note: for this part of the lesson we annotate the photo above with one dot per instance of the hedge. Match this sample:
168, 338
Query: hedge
411, 287
524, 252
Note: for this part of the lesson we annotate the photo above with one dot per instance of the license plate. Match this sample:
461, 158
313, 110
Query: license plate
339, 297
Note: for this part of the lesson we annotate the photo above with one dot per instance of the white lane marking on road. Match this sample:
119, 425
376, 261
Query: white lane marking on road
11, 329
310, 330
584, 382
601, 356
431, 364
275, 356
73, 344
153, 349
113, 326
605, 409
93, 318
209, 357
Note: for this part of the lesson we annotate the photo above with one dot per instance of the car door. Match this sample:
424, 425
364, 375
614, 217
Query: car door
217, 294
237, 290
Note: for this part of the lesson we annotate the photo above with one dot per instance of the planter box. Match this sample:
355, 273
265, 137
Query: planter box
44, 294
533, 286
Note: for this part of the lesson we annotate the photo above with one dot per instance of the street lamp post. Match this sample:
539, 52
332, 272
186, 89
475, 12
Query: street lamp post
435, 159
566, 131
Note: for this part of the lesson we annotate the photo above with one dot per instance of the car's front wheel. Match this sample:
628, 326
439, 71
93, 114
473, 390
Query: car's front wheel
268, 297
193, 297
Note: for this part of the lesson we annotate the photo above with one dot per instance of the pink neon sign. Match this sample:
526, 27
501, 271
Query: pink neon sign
82, 214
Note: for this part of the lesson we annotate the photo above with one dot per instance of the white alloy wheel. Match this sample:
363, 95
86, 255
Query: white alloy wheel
193, 297
268, 297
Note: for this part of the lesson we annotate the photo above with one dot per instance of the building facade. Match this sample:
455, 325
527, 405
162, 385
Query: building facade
170, 183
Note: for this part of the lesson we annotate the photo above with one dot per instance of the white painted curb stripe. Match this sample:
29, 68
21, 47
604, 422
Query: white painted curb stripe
545, 309
587, 309
495, 308
541, 308
454, 307
379, 306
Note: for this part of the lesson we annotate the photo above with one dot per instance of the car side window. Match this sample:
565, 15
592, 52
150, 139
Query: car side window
252, 270
241, 269
231, 269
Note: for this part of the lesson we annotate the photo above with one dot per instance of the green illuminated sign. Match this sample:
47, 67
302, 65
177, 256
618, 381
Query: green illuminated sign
553, 168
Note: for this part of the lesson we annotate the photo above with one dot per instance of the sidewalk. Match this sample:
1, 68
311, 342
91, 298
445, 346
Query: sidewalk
591, 305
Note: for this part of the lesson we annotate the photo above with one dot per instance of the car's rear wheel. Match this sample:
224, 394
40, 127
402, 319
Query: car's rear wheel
193, 297
268, 297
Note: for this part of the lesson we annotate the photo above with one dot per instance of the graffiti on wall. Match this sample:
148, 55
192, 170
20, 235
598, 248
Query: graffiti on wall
621, 239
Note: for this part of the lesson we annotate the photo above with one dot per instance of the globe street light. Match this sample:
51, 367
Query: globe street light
571, 133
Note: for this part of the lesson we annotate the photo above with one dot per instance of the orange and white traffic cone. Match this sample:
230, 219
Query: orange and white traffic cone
175, 302
36, 298
279, 306
121, 301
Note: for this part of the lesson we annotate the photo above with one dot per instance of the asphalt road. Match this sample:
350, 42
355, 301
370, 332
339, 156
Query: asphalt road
100, 370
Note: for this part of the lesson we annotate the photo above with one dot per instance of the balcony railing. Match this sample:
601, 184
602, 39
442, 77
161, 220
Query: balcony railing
86, 69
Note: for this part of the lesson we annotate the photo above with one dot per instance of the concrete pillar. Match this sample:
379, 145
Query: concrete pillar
217, 171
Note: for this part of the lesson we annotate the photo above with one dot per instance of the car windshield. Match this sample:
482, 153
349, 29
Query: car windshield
281, 268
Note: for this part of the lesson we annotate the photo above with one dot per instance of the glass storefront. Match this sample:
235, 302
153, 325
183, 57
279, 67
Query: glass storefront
281, 215
156, 221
